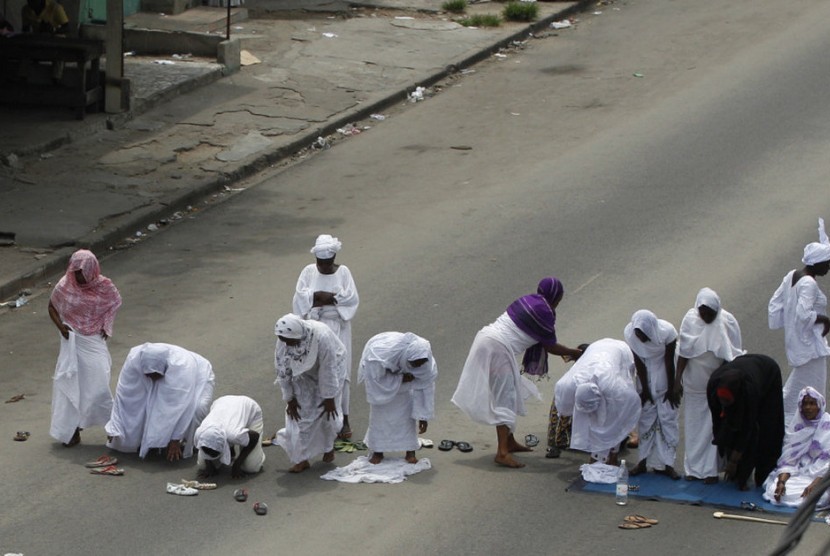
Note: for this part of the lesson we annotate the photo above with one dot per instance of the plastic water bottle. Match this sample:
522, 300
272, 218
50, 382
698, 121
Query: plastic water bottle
622, 484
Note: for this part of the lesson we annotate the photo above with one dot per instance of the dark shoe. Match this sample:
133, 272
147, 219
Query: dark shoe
464, 447
553, 452
446, 445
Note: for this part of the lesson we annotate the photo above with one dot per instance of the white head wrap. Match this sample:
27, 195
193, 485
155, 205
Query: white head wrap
214, 437
818, 251
290, 326
660, 334
153, 359
326, 247
722, 336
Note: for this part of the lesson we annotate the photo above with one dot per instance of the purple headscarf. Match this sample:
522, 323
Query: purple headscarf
551, 289
534, 316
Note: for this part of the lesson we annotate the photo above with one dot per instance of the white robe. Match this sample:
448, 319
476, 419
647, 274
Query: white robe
608, 365
150, 413
794, 308
81, 395
395, 407
314, 433
338, 317
491, 391
234, 416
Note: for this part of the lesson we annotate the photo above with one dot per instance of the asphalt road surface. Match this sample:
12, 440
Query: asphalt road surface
707, 168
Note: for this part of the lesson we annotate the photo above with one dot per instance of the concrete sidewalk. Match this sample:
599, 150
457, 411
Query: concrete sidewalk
95, 183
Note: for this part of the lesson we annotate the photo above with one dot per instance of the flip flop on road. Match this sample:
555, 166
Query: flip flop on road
198, 486
22, 436
240, 494
633, 525
464, 447
103, 461
260, 508
531, 440
109, 470
636, 518
446, 445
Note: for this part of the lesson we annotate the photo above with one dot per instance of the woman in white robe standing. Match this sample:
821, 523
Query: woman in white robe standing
326, 292
163, 394
83, 306
654, 342
599, 392
800, 308
709, 337
310, 363
399, 373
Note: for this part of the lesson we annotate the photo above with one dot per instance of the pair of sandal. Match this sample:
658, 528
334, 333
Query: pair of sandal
241, 495
447, 445
637, 521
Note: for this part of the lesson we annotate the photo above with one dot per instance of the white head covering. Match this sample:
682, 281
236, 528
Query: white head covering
326, 247
153, 359
722, 336
214, 437
290, 326
817, 252
394, 351
660, 334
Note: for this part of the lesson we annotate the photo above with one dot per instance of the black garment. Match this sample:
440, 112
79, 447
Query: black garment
754, 423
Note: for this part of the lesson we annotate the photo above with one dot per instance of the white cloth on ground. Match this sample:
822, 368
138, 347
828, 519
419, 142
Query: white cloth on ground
150, 413
338, 317
310, 376
599, 472
390, 470
81, 395
231, 417
395, 406
491, 391
599, 392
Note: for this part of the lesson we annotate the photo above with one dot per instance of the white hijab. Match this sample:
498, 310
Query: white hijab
722, 337
295, 360
660, 334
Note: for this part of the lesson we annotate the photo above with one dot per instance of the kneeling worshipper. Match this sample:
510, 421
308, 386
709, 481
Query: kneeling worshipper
310, 362
805, 458
83, 306
747, 406
399, 373
709, 336
653, 342
491, 390
229, 435
599, 392
163, 393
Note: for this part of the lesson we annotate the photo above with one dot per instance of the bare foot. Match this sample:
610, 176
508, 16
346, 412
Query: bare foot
376, 458
508, 461
299, 467
410, 457
328, 457
513, 446
640, 468
670, 473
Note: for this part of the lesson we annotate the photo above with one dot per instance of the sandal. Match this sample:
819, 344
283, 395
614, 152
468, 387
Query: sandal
181, 490
22, 436
446, 445
103, 461
531, 440
260, 508
240, 494
345, 433
636, 518
464, 447
553, 452
109, 470
633, 525
198, 486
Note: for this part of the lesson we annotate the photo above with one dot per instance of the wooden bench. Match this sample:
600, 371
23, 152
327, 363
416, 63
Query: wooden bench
21, 51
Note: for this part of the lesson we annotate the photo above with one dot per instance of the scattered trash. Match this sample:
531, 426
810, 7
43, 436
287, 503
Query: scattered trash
130, 53
139, 233
564, 24
248, 59
405, 16
461, 147
12, 161
638, 75
467, 71
515, 114
152, 227
597, 13
320, 144
378, 117
348, 130
16, 398
21, 301
165, 62
330, 35
182, 56
416, 95
500, 55
238, 27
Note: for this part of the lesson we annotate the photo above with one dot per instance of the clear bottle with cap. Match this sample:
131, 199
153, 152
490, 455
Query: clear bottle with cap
622, 484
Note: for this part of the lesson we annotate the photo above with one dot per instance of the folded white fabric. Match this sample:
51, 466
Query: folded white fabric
390, 470
599, 472
181, 490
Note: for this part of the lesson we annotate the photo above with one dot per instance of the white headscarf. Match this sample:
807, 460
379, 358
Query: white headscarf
817, 252
295, 360
326, 247
722, 337
395, 351
214, 437
660, 333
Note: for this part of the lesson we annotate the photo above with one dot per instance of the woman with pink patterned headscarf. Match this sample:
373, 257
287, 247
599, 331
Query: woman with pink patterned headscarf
83, 307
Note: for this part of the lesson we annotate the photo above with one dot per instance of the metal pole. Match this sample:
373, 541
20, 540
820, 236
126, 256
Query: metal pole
228, 30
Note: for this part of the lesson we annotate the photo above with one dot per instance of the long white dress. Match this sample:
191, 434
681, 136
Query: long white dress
794, 308
395, 406
599, 392
319, 374
491, 390
707, 347
337, 317
150, 413
659, 426
225, 429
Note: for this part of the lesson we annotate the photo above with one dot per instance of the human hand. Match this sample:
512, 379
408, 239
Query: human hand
780, 490
208, 471
293, 409
825, 322
174, 450
810, 488
236, 470
65, 330
329, 409
673, 400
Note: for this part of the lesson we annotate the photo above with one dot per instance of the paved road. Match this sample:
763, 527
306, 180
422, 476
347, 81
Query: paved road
636, 191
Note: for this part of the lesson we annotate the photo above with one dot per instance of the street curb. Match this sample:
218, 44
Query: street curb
101, 242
